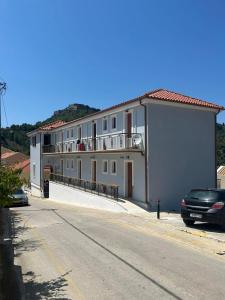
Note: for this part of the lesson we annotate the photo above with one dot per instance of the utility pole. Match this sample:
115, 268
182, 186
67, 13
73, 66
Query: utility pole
2, 90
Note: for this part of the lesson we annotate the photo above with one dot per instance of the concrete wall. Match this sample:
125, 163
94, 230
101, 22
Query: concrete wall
35, 160
222, 182
65, 194
181, 152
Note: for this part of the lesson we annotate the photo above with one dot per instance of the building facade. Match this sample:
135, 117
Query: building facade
154, 147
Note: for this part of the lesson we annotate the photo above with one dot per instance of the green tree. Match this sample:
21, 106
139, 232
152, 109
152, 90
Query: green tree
10, 181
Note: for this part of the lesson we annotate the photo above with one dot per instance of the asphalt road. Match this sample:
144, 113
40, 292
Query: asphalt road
68, 252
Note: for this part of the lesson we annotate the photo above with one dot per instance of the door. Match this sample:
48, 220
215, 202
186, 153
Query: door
94, 132
129, 180
61, 167
79, 168
94, 175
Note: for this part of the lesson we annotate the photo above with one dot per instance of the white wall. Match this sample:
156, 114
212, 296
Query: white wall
65, 194
181, 152
35, 160
118, 179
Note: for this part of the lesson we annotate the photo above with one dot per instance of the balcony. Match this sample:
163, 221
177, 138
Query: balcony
113, 142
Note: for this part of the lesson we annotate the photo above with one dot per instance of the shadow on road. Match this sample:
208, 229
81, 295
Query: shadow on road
208, 227
19, 227
52, 289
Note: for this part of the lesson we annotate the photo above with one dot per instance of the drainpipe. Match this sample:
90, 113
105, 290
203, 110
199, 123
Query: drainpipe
145, 153
41, 185
215, 143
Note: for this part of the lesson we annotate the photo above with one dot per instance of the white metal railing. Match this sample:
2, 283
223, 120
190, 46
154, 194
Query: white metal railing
100, 143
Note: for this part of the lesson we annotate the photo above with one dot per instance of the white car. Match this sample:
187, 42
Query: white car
20, 197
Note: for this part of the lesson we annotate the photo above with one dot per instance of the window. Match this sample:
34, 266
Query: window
33, 141
67, 164
113, 167
105, 124
34, 170
72, 163
71, 133
68, 134
79, 133
114, 122
105, 166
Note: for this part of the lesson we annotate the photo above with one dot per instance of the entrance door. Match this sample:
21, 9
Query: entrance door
94, 132
94, 169
61, 166
94, 175
129, 180
79, 166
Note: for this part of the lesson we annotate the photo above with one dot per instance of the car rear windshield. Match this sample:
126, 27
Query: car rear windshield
19, 192
206, 195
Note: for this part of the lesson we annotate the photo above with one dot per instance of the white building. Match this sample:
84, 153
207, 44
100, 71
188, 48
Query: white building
156, 146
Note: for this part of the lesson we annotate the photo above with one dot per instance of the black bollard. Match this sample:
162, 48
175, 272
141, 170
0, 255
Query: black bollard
158, 209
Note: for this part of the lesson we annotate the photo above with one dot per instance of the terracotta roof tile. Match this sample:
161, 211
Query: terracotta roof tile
158, 94
165, 95
7, 154
22, 164
52, 125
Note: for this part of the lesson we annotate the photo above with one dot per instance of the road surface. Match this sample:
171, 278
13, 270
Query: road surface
67, 252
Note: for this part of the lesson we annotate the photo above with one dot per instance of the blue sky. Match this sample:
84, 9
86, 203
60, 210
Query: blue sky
101, 52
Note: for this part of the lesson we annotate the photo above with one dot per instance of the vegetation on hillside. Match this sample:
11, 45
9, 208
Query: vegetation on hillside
220, 144
15, 136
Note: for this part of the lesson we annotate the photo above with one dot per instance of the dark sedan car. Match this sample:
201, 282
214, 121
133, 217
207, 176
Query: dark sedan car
205, 205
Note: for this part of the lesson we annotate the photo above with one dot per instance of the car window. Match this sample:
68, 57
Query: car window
19, 192
206, 195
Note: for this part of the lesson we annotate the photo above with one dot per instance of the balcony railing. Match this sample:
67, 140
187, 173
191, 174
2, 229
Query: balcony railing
101, 143
101, 189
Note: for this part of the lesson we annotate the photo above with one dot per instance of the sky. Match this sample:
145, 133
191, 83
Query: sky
100, 52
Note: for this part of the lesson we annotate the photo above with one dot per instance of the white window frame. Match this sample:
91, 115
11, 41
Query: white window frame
111, 121
34, 140
71, 132
107, 125
103, 164
111, 165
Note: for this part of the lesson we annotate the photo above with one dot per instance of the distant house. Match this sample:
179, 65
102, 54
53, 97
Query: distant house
221, 177
16, 160
156, 146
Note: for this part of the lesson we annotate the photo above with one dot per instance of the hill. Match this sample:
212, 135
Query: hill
15, 138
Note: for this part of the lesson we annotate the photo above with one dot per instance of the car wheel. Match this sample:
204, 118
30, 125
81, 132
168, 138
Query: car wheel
188, 222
